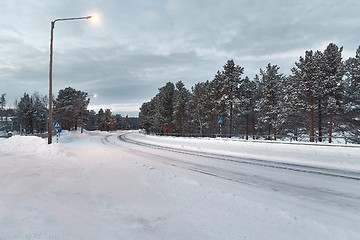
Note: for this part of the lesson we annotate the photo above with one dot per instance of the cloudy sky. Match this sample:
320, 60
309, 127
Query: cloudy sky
139, 45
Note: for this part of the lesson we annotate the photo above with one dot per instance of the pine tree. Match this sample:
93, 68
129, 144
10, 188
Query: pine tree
228, 82
166, 106
232, 79
219, 108
100, 123
69, 108
146, 116
25, 112
333, 89
32, 113
203, 108
181, 100
40, 112
306, 76
127, 124
351, 116
246, 105
106, 121
295, 107
2, 105
270, 106
90, 120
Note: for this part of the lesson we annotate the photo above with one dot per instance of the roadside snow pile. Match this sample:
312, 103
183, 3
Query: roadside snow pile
27, 145
346, 157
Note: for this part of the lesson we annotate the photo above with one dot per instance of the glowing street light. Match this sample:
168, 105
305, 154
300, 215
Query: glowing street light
50, 126
95, 18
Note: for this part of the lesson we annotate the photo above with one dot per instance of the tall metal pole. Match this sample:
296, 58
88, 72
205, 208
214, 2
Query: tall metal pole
50, 125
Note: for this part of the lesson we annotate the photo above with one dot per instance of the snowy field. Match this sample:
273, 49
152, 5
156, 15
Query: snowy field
97, 185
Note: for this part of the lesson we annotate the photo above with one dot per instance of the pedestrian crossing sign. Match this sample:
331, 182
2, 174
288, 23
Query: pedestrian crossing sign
57, 125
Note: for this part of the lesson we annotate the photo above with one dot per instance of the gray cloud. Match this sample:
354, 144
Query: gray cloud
140, 45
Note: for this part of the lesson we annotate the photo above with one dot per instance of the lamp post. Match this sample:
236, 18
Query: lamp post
50, 126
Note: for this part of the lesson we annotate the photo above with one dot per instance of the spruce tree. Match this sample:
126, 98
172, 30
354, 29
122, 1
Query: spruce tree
181, 100
166, 106
319, 90
246, 105
69, 108
226, 89
230, 88
40, 112
25, 112
203, 108
351, 119
333, 88
303, 88
270, 106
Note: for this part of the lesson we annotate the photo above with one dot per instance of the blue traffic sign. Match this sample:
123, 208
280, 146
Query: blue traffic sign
220, 120
57, 125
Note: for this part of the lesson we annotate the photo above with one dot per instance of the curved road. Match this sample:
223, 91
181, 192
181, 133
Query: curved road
333, 194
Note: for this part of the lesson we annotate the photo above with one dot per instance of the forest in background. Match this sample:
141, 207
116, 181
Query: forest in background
69, 109
318, 101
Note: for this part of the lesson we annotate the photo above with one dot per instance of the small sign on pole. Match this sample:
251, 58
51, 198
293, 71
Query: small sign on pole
220, 120
57, 126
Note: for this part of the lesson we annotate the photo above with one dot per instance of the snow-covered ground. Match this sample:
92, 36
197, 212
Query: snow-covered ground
94, 186
337, 156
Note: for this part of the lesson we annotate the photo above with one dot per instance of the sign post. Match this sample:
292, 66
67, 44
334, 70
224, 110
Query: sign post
57, 126
220, 121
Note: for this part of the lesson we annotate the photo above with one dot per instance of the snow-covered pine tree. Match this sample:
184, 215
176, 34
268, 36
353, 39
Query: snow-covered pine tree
351, 116
203, 108
99, 122
69, 108
24, 113
230, 88
91, 120
40, 112
2, 106
146, 115
245, 107
226, 89
108, 121
295, 107
318, 92
219, 108
181, 99
166, 106
302, 88
32, 113
269, 107
333, 88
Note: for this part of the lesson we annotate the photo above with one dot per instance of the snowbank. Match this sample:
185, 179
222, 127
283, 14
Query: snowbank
346, 157
27, 145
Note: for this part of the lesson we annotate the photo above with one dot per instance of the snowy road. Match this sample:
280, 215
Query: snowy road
130, 186
333, 192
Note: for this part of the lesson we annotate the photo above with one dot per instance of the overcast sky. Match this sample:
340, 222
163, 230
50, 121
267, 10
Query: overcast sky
139, 45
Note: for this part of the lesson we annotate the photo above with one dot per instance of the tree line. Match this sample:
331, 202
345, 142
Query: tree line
69, 108
319, 99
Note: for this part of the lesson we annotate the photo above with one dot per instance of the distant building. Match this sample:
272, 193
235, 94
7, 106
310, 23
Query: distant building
6, 123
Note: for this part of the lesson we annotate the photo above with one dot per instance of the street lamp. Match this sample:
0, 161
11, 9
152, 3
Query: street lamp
50, 127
